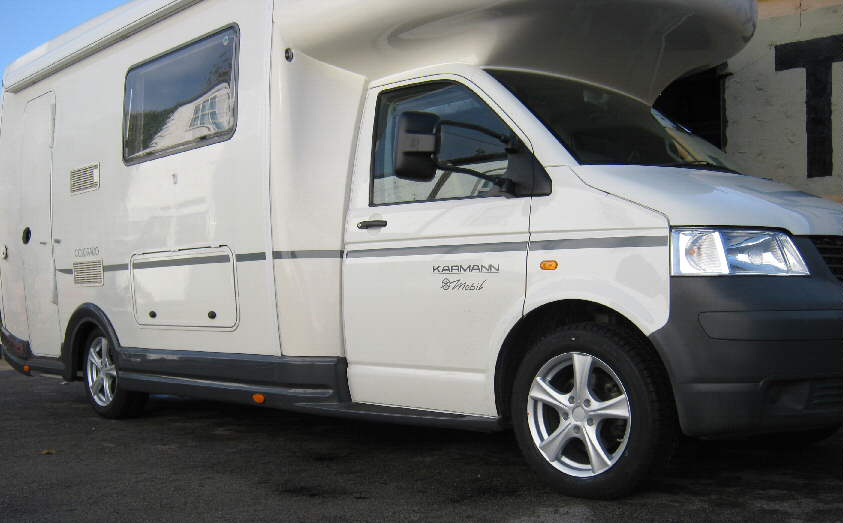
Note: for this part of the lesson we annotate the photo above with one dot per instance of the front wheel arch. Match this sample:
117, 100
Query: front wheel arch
550, 316
650, 411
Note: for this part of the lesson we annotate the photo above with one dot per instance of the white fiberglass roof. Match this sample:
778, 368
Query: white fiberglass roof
88, 38
634, 46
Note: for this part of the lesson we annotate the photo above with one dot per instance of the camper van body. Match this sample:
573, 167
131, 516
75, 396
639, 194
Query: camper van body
244, 252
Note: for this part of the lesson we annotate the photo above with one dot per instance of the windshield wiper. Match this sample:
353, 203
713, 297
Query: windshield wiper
699, 164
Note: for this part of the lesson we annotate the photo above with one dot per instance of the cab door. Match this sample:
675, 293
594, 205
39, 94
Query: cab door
433, 270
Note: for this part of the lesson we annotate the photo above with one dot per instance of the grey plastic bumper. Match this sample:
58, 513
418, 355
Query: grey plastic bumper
754, 354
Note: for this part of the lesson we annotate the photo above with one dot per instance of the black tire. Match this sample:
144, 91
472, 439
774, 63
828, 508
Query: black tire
651, 432
123, 403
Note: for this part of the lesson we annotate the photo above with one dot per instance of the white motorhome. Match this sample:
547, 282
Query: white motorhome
463, 214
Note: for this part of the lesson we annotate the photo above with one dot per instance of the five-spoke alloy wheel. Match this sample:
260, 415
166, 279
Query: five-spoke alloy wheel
101, 372
579, 414
102, 379
592, 410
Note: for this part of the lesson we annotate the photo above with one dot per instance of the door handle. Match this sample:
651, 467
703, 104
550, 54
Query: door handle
371, 224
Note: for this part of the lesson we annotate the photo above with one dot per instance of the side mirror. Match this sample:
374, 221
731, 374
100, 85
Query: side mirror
415, 146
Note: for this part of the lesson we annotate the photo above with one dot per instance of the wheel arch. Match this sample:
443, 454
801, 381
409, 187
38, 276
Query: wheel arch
549, 315
84, 319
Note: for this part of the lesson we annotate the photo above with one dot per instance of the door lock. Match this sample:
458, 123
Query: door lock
27, 235
4, 253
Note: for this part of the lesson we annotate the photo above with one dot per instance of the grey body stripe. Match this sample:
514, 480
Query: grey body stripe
440, 249
293, 255
252, 256
182, 261
543, 245
599, 243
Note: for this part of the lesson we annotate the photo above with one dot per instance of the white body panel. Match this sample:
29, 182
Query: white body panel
315, 118
631, 280
202, 198
694, 197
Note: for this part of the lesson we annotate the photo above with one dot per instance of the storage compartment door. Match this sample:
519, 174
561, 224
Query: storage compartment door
189, 288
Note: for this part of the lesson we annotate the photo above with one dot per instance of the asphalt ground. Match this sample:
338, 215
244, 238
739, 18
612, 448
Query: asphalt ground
189, 460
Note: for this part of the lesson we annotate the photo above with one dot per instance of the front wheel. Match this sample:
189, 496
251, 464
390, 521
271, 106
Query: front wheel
102, 380
592, 411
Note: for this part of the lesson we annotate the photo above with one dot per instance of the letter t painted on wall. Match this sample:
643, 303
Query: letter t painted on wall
816, 57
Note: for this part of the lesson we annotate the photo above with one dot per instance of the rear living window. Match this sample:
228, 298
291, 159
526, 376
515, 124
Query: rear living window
181, 100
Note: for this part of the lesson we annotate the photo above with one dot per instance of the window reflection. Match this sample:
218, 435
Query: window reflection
464, 147
184, 99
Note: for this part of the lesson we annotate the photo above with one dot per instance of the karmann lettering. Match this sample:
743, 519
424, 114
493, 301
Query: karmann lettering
460, 269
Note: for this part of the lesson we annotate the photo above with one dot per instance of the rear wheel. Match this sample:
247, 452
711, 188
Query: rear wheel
592, 411
102, 380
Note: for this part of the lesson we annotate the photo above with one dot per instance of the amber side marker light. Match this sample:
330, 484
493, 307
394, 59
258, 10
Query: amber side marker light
26, 368
549, 265
258, 398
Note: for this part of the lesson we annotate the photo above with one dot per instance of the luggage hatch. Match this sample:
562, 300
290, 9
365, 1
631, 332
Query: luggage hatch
188, 288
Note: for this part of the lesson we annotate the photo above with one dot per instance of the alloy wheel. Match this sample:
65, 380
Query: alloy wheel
579, 414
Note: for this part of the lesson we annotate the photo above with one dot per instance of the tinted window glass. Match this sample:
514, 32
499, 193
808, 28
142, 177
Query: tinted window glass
599, 126
467, 148
184, 99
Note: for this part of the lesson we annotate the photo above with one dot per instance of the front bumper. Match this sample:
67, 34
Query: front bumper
755, 354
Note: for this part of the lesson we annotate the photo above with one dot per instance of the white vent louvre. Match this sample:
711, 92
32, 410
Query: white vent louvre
88, 273
85, 179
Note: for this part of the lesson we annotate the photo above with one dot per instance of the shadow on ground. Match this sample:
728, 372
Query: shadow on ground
204, 460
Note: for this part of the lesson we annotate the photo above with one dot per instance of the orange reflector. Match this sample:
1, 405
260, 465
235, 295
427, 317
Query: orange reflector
549, 265
26, 368
258, 398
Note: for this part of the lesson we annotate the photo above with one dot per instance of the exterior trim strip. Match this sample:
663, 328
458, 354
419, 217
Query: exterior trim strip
439, 249
599, 243
199, 260
252, 256
294, 255
543, 245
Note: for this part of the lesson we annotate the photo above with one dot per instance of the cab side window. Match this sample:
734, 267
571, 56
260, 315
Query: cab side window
464, 147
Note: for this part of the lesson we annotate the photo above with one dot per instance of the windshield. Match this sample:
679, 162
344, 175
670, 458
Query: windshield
602, 127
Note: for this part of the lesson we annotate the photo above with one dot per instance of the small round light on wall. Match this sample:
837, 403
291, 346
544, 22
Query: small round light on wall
549, 265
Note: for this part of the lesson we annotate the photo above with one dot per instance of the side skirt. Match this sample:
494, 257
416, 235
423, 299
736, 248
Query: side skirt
19, 356
316, 385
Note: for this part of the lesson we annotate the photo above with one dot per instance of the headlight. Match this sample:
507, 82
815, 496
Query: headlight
711, 252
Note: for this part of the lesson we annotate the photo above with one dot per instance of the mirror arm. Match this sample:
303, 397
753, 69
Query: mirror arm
505, 184
506, 140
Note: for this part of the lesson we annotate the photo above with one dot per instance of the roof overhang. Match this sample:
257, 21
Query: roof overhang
634, 46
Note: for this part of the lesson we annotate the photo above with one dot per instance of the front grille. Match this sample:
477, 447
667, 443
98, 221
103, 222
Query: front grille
831, 249
826, 394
